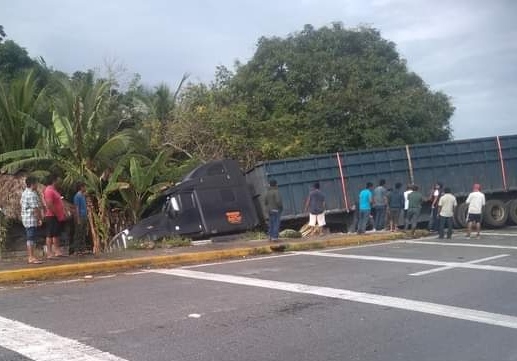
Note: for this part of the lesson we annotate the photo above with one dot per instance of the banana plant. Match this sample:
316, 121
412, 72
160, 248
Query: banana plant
140, 187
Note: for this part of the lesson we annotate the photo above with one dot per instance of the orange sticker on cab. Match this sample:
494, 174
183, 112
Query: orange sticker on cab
234, 217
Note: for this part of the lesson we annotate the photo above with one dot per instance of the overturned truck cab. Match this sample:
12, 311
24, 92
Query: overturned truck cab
214, 198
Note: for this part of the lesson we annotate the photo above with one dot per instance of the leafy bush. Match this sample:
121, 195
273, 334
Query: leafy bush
290, 233
175, 242
252, 236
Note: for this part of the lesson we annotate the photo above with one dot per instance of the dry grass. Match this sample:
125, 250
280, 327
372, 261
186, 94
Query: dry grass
11, 188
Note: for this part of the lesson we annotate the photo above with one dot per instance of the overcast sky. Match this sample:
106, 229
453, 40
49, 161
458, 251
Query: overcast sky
466, 48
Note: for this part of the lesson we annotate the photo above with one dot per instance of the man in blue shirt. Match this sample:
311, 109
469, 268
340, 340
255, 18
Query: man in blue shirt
365, 207
81, 219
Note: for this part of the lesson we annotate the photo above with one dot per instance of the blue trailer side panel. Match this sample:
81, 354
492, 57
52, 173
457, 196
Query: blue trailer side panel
509, 152
456, 164
295, 178
371, 166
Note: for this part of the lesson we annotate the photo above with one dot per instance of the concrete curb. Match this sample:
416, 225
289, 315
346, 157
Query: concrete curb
78, 269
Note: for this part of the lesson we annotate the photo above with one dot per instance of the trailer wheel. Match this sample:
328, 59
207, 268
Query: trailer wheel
511, 206
495, 213
460, 215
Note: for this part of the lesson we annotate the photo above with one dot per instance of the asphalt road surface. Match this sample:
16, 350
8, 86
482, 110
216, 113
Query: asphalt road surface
405, 300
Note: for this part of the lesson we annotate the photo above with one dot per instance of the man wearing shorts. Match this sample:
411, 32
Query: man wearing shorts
31, 216
476, 202
54, 215
315, 205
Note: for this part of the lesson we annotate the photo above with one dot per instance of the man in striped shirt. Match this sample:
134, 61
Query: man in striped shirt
31, 216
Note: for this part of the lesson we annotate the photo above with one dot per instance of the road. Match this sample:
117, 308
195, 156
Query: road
404, 300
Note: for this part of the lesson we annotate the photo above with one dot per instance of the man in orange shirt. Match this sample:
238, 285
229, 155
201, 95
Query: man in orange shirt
54, 216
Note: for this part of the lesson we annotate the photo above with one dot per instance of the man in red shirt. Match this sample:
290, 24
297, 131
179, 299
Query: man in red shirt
54, 216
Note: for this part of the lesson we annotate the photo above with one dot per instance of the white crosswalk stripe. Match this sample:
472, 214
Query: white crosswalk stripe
41, 345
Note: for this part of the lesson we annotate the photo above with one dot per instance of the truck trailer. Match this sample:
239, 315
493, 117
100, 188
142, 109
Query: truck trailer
218, 198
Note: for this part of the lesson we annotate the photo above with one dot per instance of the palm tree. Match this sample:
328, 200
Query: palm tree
23, 113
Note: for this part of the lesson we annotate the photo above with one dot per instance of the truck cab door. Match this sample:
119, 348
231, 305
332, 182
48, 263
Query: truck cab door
186, 219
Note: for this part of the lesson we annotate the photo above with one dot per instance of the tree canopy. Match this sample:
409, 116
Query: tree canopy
322, 90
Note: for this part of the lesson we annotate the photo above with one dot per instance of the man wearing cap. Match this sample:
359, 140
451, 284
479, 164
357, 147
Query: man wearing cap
476, 202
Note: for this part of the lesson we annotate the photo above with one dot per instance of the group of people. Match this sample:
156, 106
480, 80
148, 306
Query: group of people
49, 210
379, 204
395, 202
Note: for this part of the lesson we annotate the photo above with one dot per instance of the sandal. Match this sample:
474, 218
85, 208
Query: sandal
35, 261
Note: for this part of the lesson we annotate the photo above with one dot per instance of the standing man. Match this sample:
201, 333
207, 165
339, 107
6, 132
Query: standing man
396, 205
315, 205
415, 200
380, 201
273, 203
54, 215
365, 207
446, 206
476, 202
81, 219
435, 198
31, 216
409, 189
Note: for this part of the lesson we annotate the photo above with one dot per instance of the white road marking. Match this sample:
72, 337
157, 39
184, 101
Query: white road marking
475, 245
258, 258
439, 269
41, 345
376, 258
66, 281
201, 242
437, 309
134, 273
413, 261
499, 234
105, 276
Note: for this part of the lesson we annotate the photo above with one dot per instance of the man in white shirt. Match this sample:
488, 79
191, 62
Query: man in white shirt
409, 189
476, 202
446, 206
435, 197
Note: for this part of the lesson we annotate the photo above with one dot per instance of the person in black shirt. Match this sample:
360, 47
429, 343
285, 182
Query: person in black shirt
315, 205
